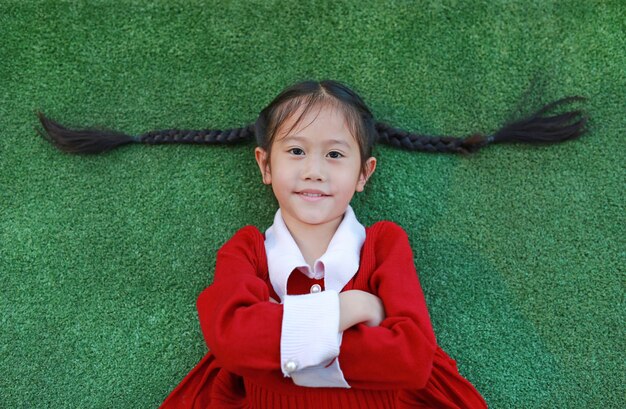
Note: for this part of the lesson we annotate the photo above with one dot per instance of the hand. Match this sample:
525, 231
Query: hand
356, 306
377, 311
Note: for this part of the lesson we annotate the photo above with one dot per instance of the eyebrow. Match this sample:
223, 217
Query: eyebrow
301, 139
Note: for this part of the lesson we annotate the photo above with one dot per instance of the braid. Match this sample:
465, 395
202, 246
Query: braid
97, 141
204, 136
414, 142
534, 129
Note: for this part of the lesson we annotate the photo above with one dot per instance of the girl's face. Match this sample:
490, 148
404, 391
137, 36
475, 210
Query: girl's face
315, 168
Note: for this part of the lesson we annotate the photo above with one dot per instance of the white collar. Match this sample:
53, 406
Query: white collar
338, 264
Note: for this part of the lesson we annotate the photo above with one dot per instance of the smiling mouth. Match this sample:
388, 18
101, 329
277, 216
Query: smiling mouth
312, 195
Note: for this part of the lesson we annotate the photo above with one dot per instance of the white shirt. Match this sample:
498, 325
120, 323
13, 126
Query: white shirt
310, 337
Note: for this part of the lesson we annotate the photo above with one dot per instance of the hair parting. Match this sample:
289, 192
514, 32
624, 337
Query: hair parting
300, 98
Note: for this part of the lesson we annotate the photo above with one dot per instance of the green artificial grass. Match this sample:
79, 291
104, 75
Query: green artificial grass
520, 249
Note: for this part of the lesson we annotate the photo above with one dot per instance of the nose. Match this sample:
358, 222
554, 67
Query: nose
314, 169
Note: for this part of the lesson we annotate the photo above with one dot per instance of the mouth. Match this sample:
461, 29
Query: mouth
311, 195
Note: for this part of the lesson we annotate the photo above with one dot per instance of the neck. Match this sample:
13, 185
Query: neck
313, 240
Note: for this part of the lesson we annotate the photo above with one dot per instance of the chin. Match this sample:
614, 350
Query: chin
319, 220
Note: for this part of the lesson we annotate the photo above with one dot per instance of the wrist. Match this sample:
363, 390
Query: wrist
354, 308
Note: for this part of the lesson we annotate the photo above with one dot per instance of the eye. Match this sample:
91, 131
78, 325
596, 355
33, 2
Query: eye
296, 151
335, 154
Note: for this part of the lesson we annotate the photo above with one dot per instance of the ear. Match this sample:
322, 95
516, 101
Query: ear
370, 167
262, 159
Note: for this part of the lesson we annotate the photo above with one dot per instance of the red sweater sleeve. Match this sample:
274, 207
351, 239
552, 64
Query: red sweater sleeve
239, 323
398, 353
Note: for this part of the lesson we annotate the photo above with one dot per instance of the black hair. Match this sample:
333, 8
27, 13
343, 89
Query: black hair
536, 128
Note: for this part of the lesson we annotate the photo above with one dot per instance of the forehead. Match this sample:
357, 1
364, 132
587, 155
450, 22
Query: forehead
325, 122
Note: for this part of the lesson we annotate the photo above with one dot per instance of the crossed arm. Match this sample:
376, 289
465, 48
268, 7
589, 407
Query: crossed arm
387, 338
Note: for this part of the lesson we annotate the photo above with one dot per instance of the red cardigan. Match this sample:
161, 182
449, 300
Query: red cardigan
395, 365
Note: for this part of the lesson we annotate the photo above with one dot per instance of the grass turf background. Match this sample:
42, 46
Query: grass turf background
520, 249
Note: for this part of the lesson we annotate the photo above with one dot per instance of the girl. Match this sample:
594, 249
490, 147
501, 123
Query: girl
320, 311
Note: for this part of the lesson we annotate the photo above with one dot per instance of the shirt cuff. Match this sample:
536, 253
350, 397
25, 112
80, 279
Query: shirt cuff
328, 376
310, 331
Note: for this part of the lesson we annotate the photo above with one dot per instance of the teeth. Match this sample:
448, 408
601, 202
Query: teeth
311, 194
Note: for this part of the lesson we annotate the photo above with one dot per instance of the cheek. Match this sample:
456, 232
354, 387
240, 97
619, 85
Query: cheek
348, 182
281, 180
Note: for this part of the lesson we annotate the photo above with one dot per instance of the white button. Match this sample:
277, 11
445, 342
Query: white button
315, 288
290, 366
